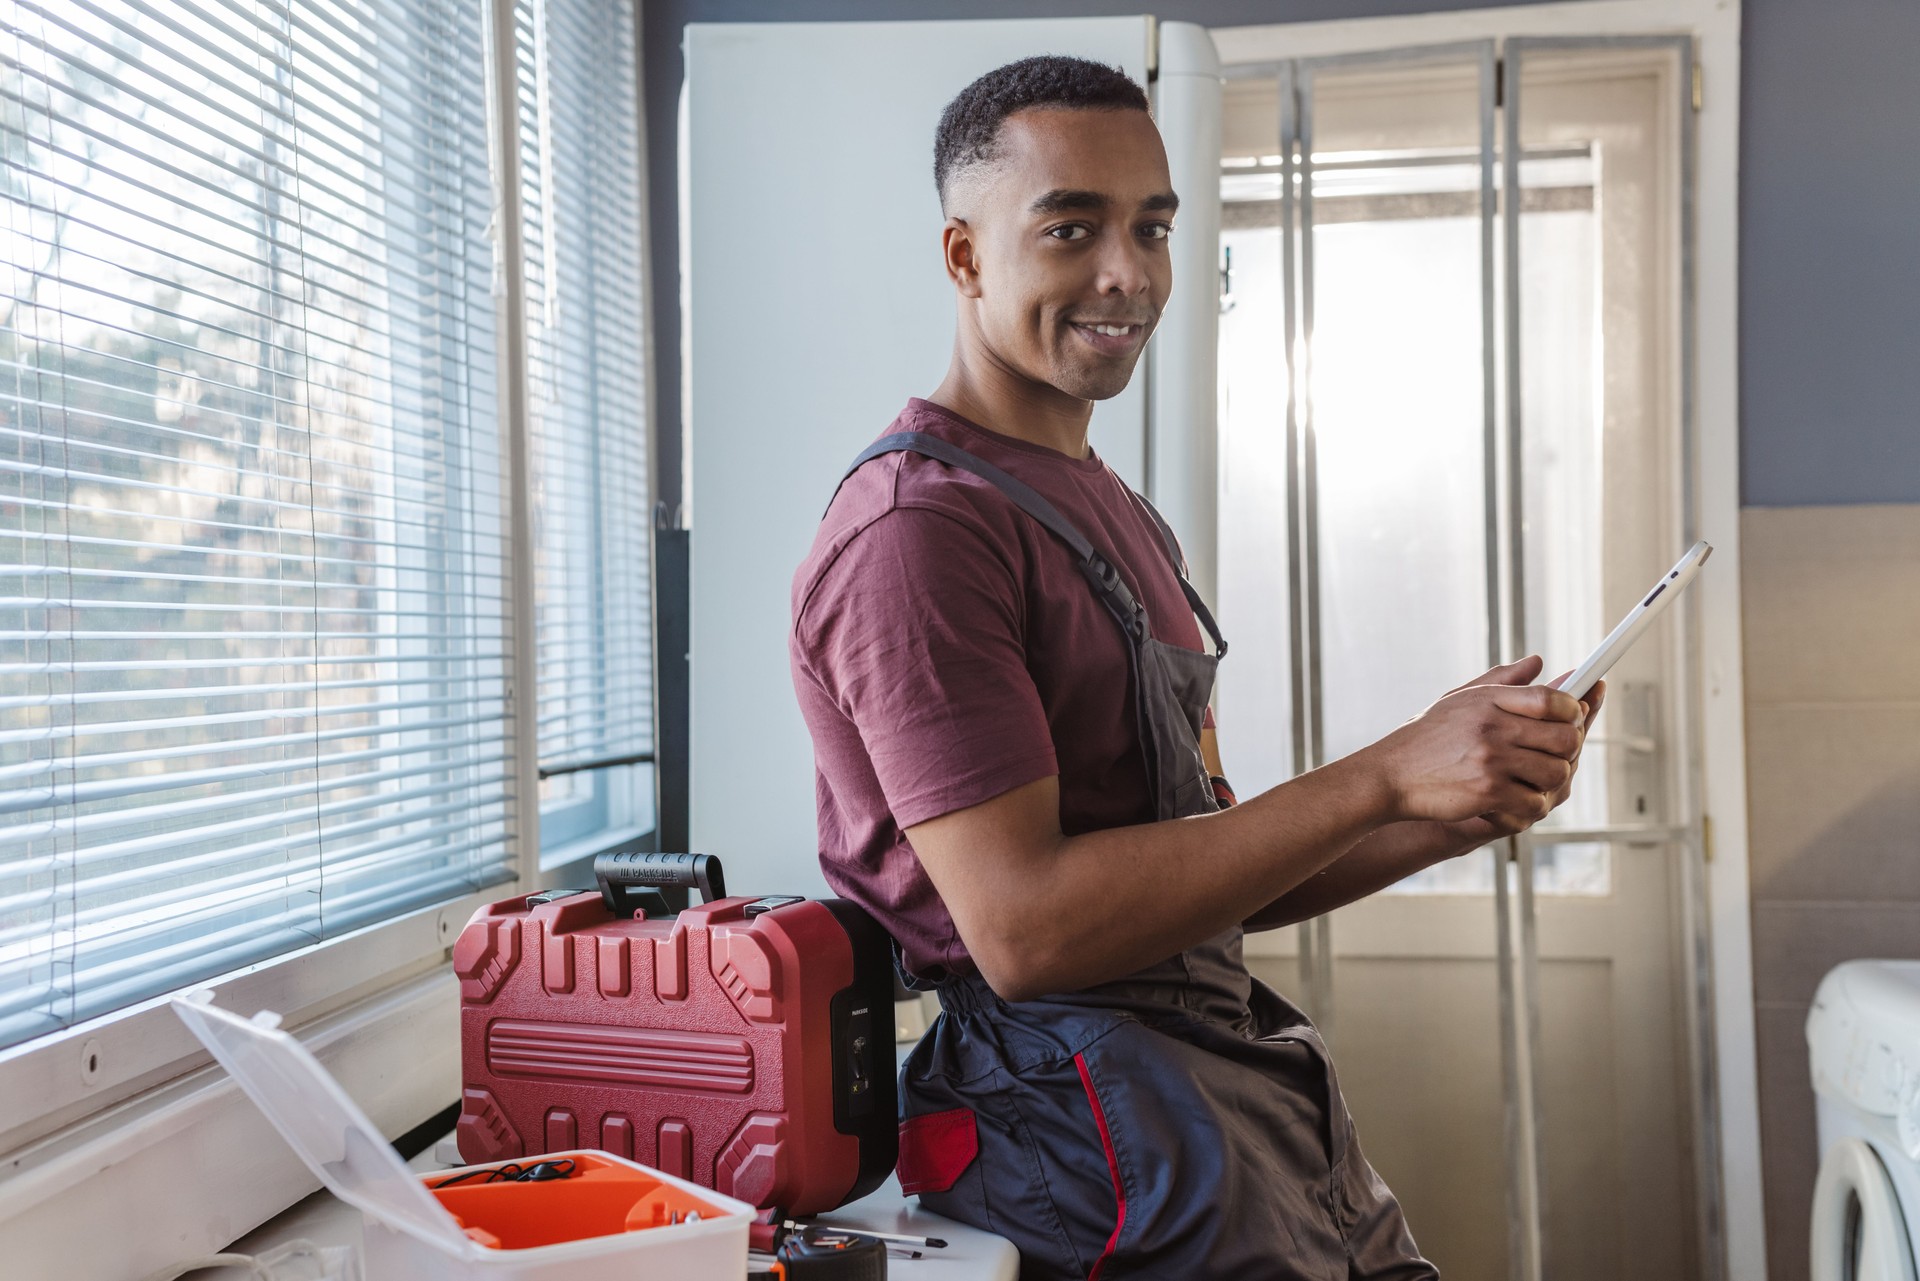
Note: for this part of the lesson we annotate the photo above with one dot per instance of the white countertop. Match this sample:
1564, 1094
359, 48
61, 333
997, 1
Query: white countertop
971, 1255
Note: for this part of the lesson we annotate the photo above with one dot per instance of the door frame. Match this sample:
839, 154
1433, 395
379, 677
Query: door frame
1721, 730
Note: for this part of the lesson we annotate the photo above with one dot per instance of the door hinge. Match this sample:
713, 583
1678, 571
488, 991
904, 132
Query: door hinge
1499, 82
1706, 838
1699, 92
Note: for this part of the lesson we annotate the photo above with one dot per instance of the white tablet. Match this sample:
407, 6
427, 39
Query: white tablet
1638, 619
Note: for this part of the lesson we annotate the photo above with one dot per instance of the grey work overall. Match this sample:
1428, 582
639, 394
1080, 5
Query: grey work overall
1182, 1122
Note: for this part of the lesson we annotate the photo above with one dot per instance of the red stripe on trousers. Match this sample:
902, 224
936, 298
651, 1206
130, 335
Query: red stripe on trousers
1113, 1168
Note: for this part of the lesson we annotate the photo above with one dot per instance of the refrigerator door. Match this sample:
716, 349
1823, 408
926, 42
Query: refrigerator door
815, 303
1183, 360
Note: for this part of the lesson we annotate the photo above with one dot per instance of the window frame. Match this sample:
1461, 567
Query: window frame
609, 819
136, 1085
566, 822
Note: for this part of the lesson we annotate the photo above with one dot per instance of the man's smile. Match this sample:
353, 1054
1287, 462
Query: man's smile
1110, 339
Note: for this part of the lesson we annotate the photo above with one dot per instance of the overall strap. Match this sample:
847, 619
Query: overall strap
1199, 607
1097, 569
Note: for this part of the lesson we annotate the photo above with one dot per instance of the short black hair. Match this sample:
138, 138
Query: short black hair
970, 125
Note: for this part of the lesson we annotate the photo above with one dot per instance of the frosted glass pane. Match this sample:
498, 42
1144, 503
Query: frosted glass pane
1562, 473
1398, 402
1399, 431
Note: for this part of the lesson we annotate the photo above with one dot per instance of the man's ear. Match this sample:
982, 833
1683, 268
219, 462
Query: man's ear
961, 252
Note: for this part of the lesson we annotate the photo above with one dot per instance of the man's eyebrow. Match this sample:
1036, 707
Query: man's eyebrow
1065, 200
1070, 200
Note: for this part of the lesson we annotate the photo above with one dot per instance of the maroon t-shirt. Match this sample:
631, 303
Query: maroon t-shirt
946, 649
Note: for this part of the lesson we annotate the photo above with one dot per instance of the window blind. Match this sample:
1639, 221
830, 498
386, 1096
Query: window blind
251, 550
580, 155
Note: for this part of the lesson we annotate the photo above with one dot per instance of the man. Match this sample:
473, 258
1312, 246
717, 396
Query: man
1005, 679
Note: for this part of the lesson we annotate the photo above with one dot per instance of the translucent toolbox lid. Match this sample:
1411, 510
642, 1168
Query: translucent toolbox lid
317, 1118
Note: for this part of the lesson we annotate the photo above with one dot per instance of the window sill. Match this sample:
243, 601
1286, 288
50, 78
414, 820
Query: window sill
54, 1083
397, 1053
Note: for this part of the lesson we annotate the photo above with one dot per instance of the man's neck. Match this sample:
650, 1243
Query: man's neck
985, 391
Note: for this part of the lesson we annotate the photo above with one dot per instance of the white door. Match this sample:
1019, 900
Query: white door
1482, 450
814, 305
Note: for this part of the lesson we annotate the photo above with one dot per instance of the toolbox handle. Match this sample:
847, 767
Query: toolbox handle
633, 881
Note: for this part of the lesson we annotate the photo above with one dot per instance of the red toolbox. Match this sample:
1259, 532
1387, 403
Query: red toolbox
745, 1044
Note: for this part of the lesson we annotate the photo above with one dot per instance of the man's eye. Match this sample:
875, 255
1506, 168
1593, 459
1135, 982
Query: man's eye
1157, 230
1071, 231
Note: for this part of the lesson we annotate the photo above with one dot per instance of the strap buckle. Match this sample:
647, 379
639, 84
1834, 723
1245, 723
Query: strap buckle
1106, 580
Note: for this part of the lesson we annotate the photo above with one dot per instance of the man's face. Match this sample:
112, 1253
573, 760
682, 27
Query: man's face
1069, 227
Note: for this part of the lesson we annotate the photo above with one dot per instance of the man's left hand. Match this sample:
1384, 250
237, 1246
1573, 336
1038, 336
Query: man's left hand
1475, 832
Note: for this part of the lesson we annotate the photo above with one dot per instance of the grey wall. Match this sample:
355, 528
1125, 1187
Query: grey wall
1829, 264
1829, 188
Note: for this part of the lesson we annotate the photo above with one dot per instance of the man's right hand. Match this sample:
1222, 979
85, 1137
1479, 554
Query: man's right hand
1499, 744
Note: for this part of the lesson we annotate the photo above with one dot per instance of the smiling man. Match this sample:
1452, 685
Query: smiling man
1005, 676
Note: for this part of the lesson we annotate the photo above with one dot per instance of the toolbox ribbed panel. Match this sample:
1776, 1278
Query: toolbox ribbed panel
620, 1055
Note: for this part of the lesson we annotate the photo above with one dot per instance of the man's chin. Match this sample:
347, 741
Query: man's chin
1095, 384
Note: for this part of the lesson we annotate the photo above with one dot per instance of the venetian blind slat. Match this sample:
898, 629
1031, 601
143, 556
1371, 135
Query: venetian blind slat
252, 665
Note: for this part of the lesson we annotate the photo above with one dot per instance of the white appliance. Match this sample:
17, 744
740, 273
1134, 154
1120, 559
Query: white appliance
1863, 1040
814, 304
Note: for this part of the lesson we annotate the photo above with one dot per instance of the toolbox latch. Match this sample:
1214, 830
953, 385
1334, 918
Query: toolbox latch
761, 906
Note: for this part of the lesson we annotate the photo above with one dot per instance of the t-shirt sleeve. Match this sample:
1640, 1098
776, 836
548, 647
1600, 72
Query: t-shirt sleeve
915, 632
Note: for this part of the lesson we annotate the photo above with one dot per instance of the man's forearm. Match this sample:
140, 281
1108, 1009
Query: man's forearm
1379, 859
1043, 912
1108, 903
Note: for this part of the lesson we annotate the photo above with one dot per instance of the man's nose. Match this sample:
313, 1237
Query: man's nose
1123, 265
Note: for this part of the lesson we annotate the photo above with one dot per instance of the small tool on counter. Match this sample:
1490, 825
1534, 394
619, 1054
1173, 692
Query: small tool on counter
770, 1230
828, 1254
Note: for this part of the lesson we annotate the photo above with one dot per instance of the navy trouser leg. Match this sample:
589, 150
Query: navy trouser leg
1110, 1148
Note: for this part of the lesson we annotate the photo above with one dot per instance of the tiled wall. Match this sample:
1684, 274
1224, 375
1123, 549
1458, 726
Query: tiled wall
1832, 627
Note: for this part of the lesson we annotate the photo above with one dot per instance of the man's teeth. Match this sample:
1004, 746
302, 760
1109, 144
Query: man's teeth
1112, 331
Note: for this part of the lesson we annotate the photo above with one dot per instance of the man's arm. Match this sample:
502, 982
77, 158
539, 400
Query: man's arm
1395, 852
1381, 858
1043, 912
